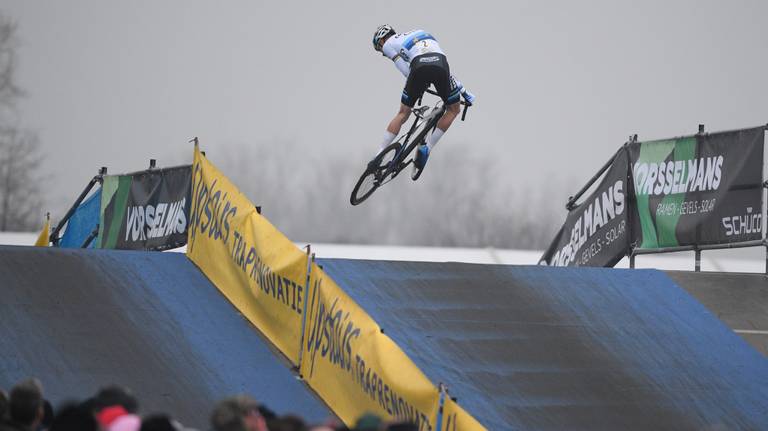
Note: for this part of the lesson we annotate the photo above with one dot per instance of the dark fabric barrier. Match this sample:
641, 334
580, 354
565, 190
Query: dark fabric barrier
703, 189
595, 232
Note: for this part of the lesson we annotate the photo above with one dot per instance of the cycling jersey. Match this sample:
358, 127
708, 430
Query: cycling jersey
403, 48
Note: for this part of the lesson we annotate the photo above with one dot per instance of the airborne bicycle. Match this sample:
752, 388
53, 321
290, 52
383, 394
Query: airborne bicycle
397, 156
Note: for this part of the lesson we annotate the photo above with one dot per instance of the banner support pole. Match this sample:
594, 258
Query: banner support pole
439, 422
697, 265
91, 237
764, 206
571, 204
697, 250
310, 260
631, 205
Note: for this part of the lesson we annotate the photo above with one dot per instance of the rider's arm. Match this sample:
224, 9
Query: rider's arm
402, 65
391, 50
468, 97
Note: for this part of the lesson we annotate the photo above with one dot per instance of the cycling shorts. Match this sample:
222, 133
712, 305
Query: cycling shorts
429, 69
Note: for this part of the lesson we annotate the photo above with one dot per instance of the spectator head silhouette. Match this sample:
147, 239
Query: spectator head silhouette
115, 395
72, 417
368, 422
238, 413
26, 404
161, 422
402, 426
3, 405
287, 423
157, 422
47, 414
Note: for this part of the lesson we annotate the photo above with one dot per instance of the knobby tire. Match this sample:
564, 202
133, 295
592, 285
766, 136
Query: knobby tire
374, 177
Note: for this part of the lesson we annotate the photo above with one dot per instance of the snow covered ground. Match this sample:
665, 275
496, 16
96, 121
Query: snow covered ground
738, 260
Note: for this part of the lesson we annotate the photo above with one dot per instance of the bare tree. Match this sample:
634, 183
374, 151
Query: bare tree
464, 200
20, 153
9, 91
20, 199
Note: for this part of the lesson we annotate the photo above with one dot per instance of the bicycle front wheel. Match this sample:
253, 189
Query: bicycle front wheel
375, 175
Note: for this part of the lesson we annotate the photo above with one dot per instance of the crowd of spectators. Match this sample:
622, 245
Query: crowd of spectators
115, 408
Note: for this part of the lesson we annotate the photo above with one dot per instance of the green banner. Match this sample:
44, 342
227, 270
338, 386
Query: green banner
698, 190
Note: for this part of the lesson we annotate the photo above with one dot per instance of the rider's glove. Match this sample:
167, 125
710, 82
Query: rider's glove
469, 98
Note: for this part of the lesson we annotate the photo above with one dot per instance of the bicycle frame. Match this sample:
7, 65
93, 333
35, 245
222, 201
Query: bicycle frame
423, 113
426, 119
421, 118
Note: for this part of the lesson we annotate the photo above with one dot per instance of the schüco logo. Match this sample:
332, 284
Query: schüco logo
743, 224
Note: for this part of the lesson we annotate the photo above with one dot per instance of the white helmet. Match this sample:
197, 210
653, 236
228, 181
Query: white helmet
382, 33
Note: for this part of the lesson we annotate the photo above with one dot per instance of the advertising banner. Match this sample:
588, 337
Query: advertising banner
254, 265
44, 238
354, 367
698, 190
457, 419
595, 233
82, 223
146, 210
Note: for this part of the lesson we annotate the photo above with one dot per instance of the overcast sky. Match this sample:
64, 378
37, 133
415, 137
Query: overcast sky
560, 85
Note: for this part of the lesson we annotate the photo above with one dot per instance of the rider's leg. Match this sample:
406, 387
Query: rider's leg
400, 118
394, 126
443, 124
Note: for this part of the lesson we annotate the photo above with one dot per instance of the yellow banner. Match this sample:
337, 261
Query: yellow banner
252, 263
457, 419
354, 367
44, 238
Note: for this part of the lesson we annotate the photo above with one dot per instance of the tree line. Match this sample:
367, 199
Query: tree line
20, 152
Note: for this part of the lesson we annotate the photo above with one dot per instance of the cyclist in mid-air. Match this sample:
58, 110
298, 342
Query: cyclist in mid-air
419, 57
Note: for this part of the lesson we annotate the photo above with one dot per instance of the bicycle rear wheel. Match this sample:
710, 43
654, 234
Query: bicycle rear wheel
375, 175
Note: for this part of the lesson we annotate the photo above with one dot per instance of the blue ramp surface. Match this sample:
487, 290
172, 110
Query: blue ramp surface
540, 348
82, 319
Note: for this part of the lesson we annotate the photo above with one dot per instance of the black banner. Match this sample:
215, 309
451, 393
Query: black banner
147, 210
595, 233
698, 190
